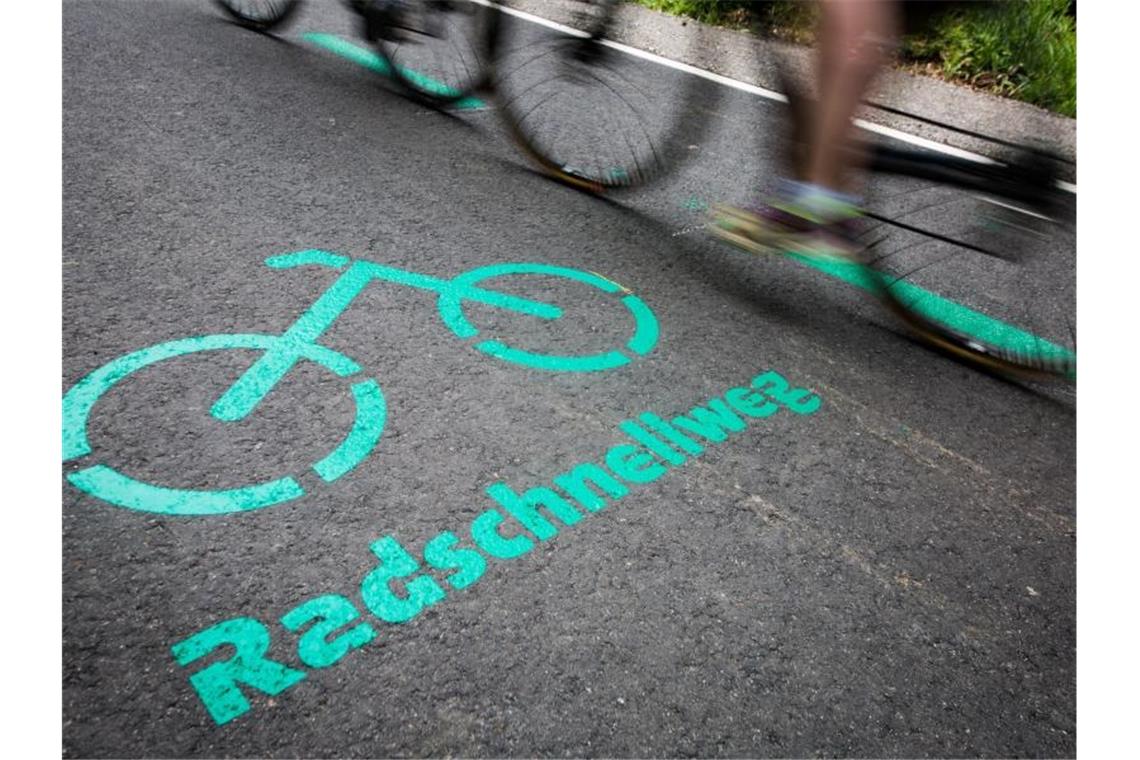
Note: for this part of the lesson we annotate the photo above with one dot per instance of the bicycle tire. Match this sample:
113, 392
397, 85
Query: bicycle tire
1002, 297
580, 110
438, 55
259, 15
985, 293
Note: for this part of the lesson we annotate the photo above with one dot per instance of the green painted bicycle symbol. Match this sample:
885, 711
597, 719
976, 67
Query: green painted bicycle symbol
282, 352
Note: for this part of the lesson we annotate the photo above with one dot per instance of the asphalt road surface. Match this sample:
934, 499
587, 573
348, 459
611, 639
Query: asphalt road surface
875, 559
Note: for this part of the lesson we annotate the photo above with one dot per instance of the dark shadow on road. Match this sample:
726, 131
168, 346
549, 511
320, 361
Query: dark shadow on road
275, 36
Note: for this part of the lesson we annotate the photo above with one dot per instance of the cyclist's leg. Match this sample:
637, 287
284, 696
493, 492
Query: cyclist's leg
854, 38
814, 212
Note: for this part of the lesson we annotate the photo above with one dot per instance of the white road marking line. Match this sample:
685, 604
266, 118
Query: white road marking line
762, 92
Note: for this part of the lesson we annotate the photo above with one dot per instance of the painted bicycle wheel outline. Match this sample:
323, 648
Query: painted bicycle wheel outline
644, 336
110, 485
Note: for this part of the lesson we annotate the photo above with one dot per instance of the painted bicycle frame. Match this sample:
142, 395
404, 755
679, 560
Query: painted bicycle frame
299, 341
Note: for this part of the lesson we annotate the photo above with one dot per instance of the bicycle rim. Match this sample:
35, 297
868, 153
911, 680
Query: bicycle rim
438, 51
259, 15
585, 113
982, 277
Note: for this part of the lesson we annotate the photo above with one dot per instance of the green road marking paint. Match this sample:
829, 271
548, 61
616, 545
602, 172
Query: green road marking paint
396, 564
217, 683
280, 353
552, 363
121, 490
954, 315
370, 60
645, 337
645, 323
275, 363
78, 402
400, 587
116, 488
319, 647
309, 257
468, 563
365, 433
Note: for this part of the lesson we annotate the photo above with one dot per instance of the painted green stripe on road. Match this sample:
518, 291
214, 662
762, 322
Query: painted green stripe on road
645, 338
366, 431
370, 60
112, 486
954, 315
552, 362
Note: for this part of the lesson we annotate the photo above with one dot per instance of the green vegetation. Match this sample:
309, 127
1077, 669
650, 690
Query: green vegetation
732, 13
1024, 49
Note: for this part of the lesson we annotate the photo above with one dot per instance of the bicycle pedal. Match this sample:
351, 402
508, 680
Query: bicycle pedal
724, 212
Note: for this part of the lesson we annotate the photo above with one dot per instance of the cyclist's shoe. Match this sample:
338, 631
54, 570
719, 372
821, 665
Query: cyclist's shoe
820, 225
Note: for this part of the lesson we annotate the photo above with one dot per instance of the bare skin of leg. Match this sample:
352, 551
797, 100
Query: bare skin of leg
852, 38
